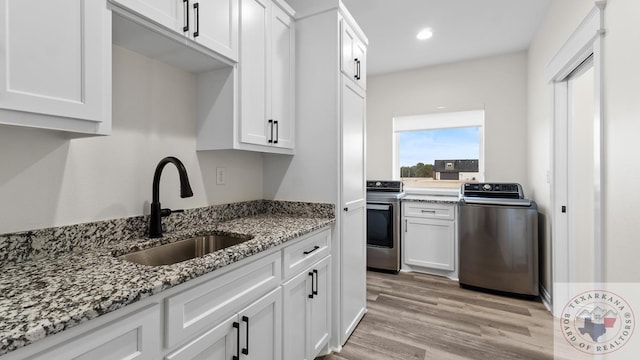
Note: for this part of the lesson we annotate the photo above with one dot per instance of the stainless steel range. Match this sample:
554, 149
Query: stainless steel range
383, 224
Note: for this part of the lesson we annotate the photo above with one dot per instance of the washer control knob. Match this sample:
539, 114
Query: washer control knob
486, 187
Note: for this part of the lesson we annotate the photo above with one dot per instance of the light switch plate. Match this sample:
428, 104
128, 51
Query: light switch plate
220, 176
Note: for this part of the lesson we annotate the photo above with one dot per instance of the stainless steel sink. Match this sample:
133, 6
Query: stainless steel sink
183, 250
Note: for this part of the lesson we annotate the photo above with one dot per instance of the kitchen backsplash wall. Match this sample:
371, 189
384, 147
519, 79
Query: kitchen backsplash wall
49, 180
40, 243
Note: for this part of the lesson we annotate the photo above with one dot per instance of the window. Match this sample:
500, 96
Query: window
439, 150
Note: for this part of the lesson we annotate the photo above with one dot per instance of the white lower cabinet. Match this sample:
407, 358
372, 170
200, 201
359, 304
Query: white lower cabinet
253, 333
135, 336
230, 314
307, 300
429, 238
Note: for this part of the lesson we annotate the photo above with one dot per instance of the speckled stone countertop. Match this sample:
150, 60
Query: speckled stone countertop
434, 199
45, 294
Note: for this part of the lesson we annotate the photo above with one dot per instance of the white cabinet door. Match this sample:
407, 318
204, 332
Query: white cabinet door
136, 336
307, 315
429, 243
282, 78
320, 307
218, 343
216, 26
266, 75
296, 316
261, 328
354, 55
169, 13
253, 69
354, 213
56, 61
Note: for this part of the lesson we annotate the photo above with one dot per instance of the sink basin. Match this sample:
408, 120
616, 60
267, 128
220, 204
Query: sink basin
183, 250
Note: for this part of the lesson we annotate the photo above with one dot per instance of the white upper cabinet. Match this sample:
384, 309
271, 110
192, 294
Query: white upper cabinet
354, 55
210, 23
266, 74
216, 26
55, 65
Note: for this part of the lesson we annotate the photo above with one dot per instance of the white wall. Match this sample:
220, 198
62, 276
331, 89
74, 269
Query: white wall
622, 124
561, 19
495, 84
49, 180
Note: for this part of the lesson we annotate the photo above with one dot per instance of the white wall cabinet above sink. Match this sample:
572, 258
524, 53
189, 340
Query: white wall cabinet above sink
210, 23
55, 65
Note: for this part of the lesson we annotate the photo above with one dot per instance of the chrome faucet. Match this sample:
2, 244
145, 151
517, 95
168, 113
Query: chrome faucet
155, 222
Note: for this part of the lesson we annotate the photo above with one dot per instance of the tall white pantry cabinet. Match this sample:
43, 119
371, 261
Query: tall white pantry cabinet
330, 165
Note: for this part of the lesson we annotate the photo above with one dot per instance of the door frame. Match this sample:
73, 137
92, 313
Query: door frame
586, 41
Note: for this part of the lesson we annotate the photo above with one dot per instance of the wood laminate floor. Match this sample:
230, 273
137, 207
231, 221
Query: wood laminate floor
417, 316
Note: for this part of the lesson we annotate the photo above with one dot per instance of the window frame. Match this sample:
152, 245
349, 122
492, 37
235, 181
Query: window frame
438, 121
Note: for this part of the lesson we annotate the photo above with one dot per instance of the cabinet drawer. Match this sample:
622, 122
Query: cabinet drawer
194, 310
136, 336
428, 210
302, 254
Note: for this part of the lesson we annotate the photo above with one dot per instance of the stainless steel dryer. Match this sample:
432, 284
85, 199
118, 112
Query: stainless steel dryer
498, 237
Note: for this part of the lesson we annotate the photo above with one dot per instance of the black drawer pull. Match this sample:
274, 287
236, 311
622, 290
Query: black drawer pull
310, 251
186, 13
246, 350
312, 281
314, 291
236, 325
196, 9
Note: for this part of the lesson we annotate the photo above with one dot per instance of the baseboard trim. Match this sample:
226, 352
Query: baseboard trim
546, 299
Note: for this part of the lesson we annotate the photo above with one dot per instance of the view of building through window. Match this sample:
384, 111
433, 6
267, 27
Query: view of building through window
443, 157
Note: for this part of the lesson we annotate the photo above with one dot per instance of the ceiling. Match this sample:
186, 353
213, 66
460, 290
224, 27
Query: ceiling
462, 30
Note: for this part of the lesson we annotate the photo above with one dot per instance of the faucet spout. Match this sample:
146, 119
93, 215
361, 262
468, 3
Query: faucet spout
155, 222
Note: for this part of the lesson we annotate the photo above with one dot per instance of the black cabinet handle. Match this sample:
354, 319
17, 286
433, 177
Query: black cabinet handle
357, 69
275, 124
196, 8
270, 127
186, 14
246, 350
311, 295
312, 250
314, 291
236, 325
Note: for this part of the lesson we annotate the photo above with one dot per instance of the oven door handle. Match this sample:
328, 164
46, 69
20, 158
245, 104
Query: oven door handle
383, 207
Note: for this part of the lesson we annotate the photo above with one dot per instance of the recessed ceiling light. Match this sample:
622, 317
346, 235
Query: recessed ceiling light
425, 34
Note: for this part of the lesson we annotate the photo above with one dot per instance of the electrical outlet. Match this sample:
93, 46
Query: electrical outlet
220, 176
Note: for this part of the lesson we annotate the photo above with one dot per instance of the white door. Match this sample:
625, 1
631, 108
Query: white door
581, 175
218, 343
282, 77
170, 13
347, 40
261, 328
319, 307
216, 26
429, 243
53, 57
253, 69
296, 294
353, 222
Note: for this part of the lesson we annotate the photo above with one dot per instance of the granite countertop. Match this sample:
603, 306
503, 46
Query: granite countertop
437, 199
45, 296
